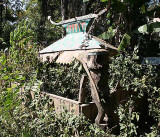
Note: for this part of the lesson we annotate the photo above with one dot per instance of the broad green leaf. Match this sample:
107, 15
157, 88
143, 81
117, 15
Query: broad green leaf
104, 35
155, 27
143, 29
157, 30
137, 117
109, 34
85, 0
5, 77
1, 40
143, 9
3, 61
104, 0
80, 68
9, 90
149, 28
4, 43
125, 41
76, 64
15, 85
108, 15
122, 126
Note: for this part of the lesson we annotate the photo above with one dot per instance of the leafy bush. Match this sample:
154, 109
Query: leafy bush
20, 114
62, 80
128, 72
35, 117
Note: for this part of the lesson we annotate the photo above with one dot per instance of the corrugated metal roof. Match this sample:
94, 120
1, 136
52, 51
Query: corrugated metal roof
71, 42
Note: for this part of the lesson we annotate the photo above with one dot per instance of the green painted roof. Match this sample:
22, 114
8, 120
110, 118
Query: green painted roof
76, 38
73, 41
76, 27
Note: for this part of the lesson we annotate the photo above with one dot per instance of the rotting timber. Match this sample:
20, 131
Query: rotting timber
77, 44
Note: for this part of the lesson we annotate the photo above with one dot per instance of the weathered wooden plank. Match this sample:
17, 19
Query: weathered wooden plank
62, 104
82, 90
89, 110
63, 98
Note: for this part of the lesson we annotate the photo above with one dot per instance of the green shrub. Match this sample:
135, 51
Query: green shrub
20, 114
128, 72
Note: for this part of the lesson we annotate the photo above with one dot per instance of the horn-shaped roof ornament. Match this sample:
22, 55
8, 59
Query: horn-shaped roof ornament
86, 17
75, 25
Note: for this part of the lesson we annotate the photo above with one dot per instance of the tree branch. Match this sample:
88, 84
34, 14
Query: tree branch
98, 15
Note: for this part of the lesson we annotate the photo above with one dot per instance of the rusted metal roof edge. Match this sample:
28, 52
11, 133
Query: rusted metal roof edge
67, 50
89, 16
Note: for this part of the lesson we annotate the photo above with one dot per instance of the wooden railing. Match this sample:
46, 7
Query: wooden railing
62, 104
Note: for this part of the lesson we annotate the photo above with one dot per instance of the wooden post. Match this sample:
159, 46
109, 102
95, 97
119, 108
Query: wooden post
83, 90
97, 64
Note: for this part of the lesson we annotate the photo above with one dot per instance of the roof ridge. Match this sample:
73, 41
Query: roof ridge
81, 18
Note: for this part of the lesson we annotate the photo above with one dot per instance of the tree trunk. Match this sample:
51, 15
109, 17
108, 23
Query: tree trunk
44, 11
1, 8
5, 10
83, 90
84, 7
42, 22
64, 9
64, 12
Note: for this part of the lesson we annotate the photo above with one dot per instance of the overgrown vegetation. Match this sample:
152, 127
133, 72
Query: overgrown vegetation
20, 114
63, 80
142, 80
24, 30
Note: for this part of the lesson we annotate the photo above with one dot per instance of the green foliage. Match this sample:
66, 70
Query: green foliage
7, 27
126, 117
127, 71
150, 28
109, 34
104, 0
2, 44
62, 80
23, 53
125, 41
22, 115
36, 117
85, 0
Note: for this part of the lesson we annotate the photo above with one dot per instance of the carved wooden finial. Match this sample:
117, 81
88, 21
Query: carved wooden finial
86, 17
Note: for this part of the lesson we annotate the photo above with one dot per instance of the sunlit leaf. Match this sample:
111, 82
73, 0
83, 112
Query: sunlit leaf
109, 34
104, 0
85, 0
125, 41
143, 29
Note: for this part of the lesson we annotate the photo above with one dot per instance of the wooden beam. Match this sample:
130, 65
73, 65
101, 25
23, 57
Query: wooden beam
83, 90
